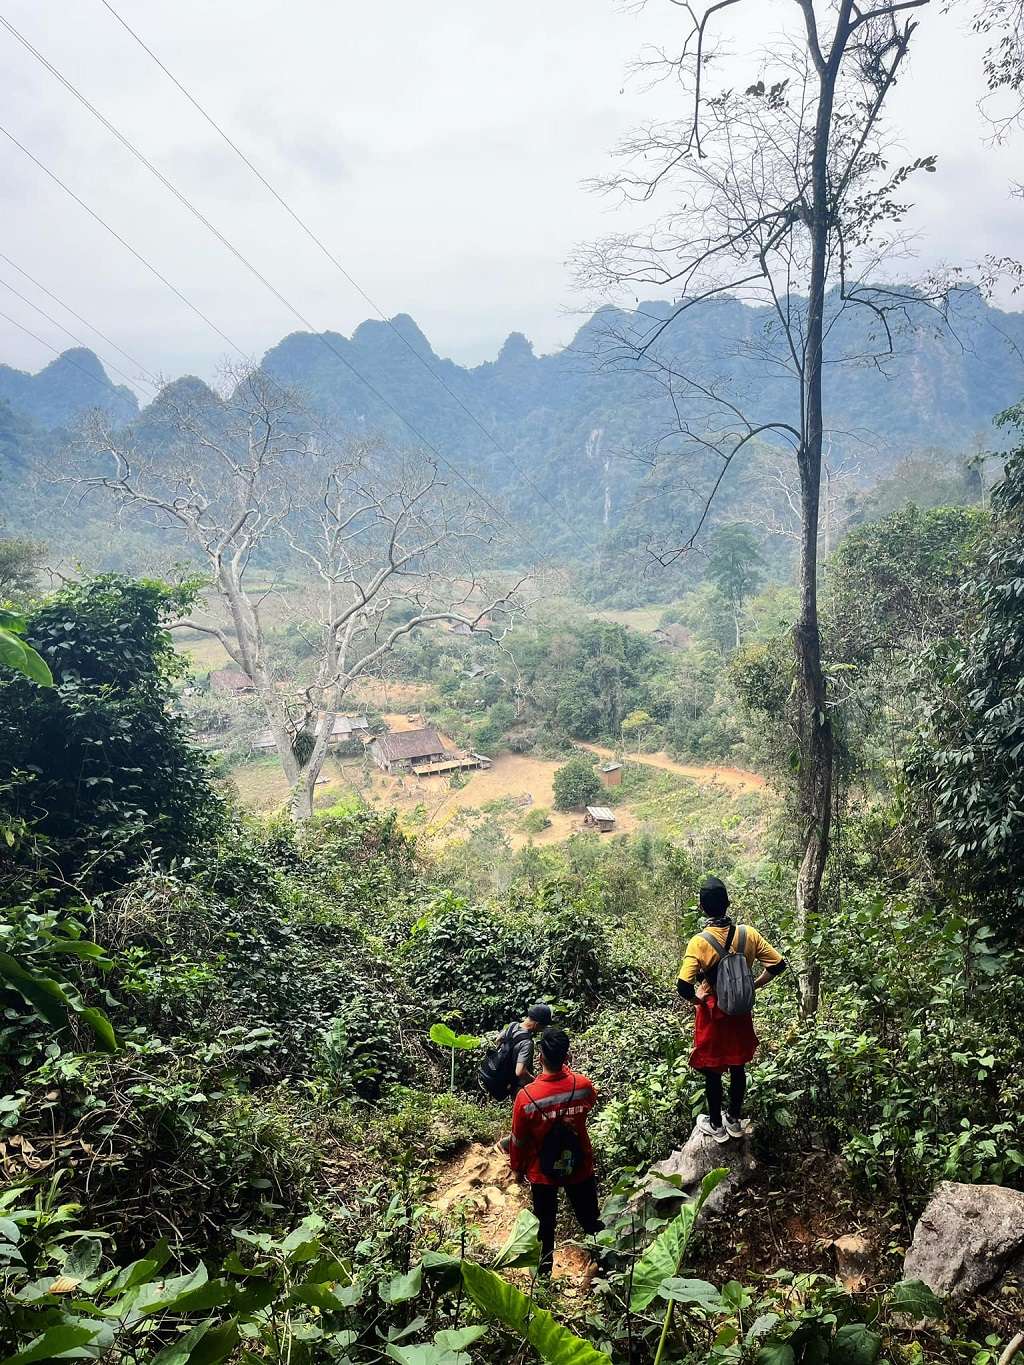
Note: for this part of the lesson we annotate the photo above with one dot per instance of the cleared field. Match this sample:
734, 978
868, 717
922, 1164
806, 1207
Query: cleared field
733, 779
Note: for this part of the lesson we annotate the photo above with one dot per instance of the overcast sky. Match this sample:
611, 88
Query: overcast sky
438, 149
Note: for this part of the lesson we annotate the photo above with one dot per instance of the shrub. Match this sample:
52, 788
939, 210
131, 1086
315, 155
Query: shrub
576, 784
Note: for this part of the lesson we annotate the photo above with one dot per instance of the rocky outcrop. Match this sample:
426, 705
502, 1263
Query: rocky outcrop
692, 1162
968, 1237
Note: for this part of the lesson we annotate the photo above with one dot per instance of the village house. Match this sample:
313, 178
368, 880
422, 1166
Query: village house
345, 730
402, 750
600, 818
230, 682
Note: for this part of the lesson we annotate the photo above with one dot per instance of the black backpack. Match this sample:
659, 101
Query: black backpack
497, 1074
561, 1152
734, 981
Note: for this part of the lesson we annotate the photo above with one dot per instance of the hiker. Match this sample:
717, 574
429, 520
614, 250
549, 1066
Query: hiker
550, 1145
509, 1064
723, 1029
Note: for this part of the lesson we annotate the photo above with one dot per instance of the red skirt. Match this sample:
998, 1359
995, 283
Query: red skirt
721, 1040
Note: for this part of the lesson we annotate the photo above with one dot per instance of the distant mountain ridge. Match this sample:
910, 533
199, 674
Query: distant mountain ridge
571, 424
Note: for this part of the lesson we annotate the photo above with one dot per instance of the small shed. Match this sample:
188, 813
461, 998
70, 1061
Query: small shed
477, 672
611, 774
600, 818
230, 682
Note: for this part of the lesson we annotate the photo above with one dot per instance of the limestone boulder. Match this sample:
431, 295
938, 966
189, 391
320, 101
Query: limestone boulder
698, 1156
968, 1237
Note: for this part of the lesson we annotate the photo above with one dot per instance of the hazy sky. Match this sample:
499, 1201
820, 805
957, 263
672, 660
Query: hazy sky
438, 149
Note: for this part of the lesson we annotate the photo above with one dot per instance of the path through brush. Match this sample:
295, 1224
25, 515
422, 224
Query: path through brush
478, 1179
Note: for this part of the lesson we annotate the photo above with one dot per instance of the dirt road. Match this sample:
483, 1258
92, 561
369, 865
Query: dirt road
733, 779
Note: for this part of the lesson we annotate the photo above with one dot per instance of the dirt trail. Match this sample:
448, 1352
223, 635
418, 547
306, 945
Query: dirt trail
480, 1181
733, 779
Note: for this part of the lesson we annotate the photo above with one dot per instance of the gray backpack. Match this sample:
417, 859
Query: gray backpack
734, 984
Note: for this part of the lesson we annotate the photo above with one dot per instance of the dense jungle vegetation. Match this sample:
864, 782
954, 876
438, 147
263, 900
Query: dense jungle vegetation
222, 1118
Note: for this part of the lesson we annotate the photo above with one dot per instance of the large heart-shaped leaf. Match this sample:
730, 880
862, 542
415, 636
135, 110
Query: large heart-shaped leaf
914, 1298
664, 1256
427, 1354
523, 1246
554, 1343
458, 1338
855, 1344
700, 1292
444, 1037
53, 1342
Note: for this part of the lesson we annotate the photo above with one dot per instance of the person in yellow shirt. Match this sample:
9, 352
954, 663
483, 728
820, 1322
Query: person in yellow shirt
722, 1041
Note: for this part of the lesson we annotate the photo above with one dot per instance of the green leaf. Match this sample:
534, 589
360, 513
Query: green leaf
216, 1345
401, 1288
554, 1343
83, 1258
326, 1298
522, 1247
9, 1230
458, 1338
775, 1353
179, 1351
664, 1256
444, 1037
427, 1355
855, 1344
20, 656
43, 994
914, 1298
53, 1342
692, 1291
141, 1271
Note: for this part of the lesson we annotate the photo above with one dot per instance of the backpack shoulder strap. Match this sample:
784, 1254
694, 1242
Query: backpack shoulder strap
709, 937
741, 940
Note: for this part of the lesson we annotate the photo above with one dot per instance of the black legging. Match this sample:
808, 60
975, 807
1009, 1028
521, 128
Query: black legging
737, 1090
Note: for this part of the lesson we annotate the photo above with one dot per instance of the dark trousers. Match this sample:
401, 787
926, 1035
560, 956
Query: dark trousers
737, 1090
582, 1198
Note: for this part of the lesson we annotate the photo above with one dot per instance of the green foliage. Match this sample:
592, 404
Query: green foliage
111, 775
968, 764
576, 784
663, 1258
17, 654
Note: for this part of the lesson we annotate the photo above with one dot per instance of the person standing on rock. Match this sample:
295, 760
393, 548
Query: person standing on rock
550, 1145
723, 1031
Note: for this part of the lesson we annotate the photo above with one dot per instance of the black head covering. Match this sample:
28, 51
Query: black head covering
714, 898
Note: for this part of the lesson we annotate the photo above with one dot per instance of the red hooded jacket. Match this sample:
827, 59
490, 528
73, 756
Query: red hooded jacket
564, 1095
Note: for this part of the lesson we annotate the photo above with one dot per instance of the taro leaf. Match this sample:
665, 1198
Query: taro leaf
401, 1288
458, 1338
83, 1259
159, 1295
522, 1247
664, 1256
9, 1230
775, 1353
427, 1355
103, 1031
554, 1343
444, 1037
20, 656
914, 1298
855, 1344
735, 1296
54, 1342
692, 1291
325, 1297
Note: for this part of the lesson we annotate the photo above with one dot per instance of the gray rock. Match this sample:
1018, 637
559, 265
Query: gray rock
967, 1237
693, 1161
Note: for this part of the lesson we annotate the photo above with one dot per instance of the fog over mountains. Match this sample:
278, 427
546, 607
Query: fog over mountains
575, 422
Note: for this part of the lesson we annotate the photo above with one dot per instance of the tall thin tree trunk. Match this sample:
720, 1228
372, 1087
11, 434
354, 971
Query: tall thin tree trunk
815, 727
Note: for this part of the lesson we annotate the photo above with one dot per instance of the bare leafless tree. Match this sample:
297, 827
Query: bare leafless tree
781, 194
251, 482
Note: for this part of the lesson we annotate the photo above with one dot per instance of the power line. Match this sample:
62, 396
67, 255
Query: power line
43, 313
187, 203
78, 317
346, 274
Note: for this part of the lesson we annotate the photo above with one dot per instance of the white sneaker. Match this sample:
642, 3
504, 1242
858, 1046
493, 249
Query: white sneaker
734, 1127
708, 1129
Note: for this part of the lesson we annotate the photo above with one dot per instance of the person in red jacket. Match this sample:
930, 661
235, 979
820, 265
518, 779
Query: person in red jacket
550, 1144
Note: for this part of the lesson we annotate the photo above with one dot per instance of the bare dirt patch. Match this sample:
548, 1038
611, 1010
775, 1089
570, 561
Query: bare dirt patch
732, 779
479, 1181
